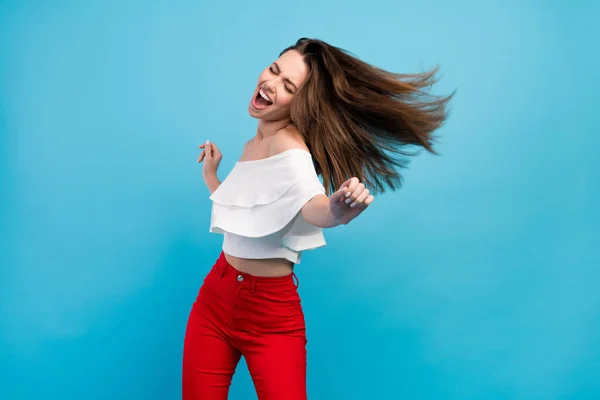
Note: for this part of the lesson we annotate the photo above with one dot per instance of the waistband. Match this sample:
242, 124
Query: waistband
225, 269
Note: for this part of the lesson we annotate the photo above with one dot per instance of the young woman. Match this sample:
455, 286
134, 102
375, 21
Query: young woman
321, 112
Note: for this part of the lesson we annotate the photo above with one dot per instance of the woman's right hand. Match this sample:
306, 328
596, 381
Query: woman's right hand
211, 156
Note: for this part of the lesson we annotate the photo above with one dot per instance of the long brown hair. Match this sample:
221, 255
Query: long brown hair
360, 120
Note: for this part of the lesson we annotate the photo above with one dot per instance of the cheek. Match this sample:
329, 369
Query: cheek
285, 100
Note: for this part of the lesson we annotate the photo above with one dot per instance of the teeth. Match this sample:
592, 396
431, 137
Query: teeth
264, 95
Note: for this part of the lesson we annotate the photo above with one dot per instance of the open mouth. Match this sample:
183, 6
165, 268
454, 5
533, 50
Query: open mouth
262, 100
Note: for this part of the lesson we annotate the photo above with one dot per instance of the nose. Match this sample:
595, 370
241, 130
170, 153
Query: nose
268, 88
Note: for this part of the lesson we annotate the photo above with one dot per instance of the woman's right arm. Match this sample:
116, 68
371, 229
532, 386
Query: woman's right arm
212, 182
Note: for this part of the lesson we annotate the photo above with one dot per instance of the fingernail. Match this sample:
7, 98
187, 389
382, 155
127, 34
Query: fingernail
348, 194
352, 205
348, 201
208, 142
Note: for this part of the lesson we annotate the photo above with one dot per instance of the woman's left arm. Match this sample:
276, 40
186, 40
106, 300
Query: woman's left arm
347, 203
317, 212
340, 208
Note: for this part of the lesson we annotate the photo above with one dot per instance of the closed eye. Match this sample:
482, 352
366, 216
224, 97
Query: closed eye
274, 72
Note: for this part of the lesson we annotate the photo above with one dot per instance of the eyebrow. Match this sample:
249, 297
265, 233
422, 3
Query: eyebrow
285, 79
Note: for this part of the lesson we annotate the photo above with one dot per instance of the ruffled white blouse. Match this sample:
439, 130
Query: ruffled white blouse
257, 207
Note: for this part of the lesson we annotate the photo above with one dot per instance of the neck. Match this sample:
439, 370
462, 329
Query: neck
270, 128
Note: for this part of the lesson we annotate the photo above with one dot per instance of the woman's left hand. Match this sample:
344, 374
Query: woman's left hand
349, 201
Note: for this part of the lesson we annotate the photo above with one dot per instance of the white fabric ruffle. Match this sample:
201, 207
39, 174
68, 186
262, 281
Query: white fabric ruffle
263, 197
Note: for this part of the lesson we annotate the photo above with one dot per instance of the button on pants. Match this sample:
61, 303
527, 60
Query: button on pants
237, 314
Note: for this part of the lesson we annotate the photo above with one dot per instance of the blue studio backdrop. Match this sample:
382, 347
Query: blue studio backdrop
477, 280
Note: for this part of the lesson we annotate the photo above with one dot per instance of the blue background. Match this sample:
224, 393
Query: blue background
477, 280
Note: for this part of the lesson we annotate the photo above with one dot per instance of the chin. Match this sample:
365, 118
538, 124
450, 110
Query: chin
252, 112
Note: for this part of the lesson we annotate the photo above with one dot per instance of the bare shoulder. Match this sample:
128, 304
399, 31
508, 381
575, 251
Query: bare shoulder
247, 144
287, 139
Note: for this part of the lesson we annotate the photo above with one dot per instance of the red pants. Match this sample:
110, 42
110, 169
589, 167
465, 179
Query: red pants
238, 314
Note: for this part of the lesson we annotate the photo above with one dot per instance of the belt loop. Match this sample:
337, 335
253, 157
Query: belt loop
254, 281
296, 280
224, 269
224, 264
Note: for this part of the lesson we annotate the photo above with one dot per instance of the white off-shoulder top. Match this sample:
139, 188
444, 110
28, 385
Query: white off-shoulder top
257, 207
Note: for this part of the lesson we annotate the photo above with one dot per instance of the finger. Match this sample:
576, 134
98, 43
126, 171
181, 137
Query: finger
203, 145
215, 150
352, 184
343, 191
347, 183
208, 149
201, 156
361, 198
355, 193
368, 201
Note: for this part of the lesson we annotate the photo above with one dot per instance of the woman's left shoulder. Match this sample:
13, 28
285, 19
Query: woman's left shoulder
287, 139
